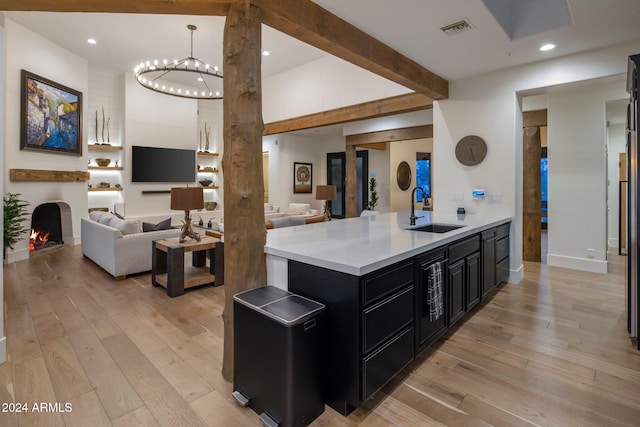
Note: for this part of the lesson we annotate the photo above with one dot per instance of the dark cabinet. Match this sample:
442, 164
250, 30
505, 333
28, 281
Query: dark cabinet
463, 276
430, 324
370, 322
488, 261
378, 323
495, 257
502, 253
472, 270
456, 292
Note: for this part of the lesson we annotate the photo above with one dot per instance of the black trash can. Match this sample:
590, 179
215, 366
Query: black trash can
279, 355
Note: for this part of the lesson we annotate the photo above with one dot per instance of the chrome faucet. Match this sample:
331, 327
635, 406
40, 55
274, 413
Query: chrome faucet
413, 217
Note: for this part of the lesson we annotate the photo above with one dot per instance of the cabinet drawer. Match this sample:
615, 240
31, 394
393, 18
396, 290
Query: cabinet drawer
463, 248
502, 271
488, 234
502, 248
383, 283
384, 319
385, 363
502, 230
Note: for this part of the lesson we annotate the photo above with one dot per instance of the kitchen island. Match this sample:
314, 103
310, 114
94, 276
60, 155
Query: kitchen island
390, 290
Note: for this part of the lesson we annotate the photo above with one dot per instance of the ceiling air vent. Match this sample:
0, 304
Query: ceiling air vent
456, 27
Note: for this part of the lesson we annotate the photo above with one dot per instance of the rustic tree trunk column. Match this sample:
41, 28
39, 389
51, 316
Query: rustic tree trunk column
350, 185
531, 198
244, 226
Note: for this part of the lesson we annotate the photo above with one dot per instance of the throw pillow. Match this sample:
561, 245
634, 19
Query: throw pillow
125, 226
162, 225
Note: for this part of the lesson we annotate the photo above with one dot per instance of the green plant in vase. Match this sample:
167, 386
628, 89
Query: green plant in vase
373, 194
15, 212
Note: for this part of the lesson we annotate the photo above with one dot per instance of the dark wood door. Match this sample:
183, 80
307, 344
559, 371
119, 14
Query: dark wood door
473, 280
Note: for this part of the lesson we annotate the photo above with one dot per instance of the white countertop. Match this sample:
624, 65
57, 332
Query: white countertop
361, 245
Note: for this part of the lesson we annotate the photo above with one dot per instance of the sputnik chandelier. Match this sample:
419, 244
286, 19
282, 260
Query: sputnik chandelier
186, 78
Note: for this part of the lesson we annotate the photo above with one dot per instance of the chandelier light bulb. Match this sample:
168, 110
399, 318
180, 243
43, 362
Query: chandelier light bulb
215, 68
206, 66
170, 89
148, 63
197, 64
155, 62
200, 79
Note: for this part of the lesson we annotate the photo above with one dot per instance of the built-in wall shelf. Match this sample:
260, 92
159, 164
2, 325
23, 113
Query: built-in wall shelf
104, 147
210, 170
105, 168
211, 187
47, 175
105, 189
207, 154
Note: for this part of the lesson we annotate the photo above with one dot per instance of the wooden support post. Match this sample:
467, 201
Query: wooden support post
531, 198
244, 226
351, 179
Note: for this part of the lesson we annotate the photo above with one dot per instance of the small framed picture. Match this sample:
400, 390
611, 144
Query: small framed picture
51, 116
302, 177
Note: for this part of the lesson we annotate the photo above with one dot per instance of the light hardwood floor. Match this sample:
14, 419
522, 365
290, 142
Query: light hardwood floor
550, 351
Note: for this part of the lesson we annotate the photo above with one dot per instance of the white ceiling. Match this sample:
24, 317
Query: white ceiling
412, 27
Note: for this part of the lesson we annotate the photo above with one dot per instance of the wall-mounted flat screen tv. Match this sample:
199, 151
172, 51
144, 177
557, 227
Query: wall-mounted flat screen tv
154, 164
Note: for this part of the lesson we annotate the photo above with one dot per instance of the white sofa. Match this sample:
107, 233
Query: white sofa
116, 252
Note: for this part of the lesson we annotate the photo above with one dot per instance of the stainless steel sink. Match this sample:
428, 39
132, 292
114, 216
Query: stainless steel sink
437, 228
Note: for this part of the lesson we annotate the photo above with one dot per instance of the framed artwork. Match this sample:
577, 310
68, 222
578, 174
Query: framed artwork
51, 116
302, 177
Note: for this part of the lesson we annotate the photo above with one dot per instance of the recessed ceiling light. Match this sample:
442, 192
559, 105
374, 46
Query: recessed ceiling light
266, 53
91, 41
547, 46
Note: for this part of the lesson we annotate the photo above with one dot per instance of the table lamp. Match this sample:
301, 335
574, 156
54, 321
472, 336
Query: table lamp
187, 198
326, 193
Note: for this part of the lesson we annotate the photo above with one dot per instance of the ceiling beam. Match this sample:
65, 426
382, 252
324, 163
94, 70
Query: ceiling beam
302, 19
534, 118
178, 7
383, 136
318, 27
368, 110
378, 146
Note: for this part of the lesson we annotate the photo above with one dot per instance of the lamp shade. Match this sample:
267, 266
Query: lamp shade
187, 198
326, 192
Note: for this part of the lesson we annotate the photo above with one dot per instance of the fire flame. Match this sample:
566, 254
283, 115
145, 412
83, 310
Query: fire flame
37, 240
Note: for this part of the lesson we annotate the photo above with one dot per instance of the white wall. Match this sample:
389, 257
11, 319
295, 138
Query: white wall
577, 229
106, 91
61, 66
210, 112
400, 200
488, 106
324, 84
616, 144
284, 150
154, 120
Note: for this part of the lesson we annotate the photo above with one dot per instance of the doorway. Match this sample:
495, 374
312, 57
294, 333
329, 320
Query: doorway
336, 176
534, 180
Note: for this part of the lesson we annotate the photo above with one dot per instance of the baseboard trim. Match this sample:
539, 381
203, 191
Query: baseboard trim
516, 276
583, 264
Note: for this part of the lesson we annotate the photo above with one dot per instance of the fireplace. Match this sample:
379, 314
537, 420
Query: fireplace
48, 224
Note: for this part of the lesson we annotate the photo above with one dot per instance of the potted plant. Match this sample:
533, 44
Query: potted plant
373, 197
15, 212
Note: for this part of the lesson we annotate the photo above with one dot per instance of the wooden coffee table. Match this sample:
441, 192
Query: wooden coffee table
168, 269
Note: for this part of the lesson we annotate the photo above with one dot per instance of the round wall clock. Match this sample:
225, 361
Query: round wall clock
471, 150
